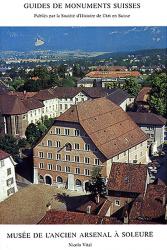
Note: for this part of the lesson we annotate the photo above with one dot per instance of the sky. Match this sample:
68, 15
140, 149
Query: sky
102, 39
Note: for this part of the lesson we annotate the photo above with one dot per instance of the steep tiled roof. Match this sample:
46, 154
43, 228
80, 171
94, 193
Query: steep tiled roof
127, 177
95, 207
66, 217
147, 118
103, 210
108, 126
143, 94
11, 105
3, 154
113, 74
152, 205
118, 96
15, 105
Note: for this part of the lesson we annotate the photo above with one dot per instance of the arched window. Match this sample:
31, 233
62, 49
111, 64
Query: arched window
59, 179
68, 146
78, 182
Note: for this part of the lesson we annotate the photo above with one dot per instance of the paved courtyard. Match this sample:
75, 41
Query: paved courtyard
29, 204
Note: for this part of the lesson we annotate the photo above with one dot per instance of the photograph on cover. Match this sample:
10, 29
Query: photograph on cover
83, 136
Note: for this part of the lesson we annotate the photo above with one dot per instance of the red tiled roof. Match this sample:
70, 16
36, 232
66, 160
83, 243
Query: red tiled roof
113, 74
152, 205
3, 155
66, 217
143, 94
147, 118
127, 177
111, 68
108, 126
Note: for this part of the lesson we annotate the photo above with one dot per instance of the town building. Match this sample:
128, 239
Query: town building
142, 99
153, 125
152, 207
19, 109
125, 183
108, 77
90, 134
7, 176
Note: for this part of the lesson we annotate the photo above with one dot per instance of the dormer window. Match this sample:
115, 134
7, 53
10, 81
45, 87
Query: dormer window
68, 146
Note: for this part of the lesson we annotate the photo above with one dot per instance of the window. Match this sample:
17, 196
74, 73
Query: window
58, 132
77, 170
66, 106
60, 106
67, 169
41, 154
9, 171
50, 156
76, 146
78, 182
10, 191
50, 166
67, 157
76, 158
58, 145
2, 163
117, 202
86, 160
87, 172
117, 157
66, 131
76, 99
77, 132
59, 179
125, 153
9, 182
87, 147
49, 143
58, 157
68, 146
58, 167
97, 162
41, 165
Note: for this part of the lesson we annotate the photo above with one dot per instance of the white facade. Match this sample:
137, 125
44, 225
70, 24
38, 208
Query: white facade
7, 178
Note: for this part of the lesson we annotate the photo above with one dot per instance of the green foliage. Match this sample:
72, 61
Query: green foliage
158, 96
97, 184
132, 86
9, 144
35, 131
32, 133
68, 82
16, 83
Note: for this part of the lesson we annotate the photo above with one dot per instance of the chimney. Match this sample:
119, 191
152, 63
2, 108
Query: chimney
88, 210
126, 217
97, 198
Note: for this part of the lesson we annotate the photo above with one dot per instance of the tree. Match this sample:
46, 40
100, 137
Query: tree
32, 133
97, 185
132, 86
158, 95
9, 144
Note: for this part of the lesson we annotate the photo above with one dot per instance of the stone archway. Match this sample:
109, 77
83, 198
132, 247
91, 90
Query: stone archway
48, 180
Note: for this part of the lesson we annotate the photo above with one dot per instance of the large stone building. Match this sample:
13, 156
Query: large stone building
91, 134
18, 110
7, 176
